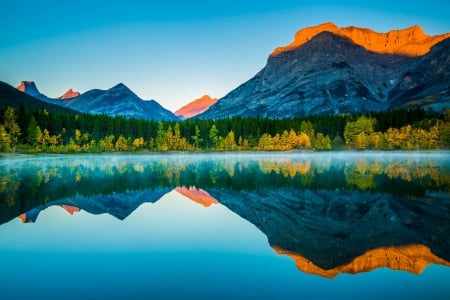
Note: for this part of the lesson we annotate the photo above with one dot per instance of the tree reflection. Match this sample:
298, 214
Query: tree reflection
28, 183
323, 210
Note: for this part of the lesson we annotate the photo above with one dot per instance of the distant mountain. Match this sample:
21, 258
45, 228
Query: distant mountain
331, 70
69, 94
118, 205
117, 101
11, 96
196, 107
29, 87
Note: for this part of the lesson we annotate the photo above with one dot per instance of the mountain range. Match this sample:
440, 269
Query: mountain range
116, 101
10, 96
325, 70
331, 70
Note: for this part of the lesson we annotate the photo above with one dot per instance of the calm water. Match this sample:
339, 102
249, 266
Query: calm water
226, 226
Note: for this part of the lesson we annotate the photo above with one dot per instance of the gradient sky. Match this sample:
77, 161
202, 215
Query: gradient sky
175, 51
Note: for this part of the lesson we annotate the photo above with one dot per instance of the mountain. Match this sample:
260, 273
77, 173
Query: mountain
119, 101
329, 232
69, 94
349, 71
11, 96
29, 87
410, 41
118, 205
196, 107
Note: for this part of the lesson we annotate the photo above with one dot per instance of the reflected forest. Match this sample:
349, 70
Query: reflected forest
25, 183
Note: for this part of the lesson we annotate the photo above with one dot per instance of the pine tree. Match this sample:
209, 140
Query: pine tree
34, 132
11, 126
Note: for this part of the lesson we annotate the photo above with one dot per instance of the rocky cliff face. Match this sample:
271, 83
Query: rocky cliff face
331, 73
411, 41
196, 107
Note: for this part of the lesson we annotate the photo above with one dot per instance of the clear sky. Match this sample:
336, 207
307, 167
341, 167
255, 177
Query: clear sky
175, 51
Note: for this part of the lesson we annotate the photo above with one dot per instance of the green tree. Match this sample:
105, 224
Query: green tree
229, 143
34, 132
160, 141
11, 126
197, 137
214, 136
5, 141
362, 127
322, 142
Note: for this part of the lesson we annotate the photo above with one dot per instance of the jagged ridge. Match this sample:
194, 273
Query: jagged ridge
410, 41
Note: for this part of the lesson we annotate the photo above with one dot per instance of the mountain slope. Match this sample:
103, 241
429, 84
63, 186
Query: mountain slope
331, 74
11, 96
196, 107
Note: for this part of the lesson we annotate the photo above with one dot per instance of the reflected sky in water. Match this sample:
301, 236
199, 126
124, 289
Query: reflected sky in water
164, 245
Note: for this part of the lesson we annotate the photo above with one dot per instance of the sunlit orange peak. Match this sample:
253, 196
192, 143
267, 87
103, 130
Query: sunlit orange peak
411, 41
23, 85
196, 107
411, 258
197, 195
70, 209
70, 94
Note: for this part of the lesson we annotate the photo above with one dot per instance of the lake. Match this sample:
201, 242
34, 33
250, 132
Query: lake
351, 225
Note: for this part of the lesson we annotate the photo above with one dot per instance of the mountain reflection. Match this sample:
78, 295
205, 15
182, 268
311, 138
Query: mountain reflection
331, 213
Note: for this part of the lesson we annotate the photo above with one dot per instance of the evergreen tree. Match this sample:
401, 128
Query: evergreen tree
197, 137
11, 126
34, 132
214, 136
5, 141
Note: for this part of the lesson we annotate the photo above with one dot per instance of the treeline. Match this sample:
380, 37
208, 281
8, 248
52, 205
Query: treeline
42, 131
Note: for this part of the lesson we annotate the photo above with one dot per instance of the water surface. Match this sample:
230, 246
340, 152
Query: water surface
290, 225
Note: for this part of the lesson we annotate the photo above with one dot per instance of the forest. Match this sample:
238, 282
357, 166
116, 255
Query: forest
38, 130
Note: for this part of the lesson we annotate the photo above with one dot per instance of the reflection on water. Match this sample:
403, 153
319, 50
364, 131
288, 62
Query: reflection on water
332, 213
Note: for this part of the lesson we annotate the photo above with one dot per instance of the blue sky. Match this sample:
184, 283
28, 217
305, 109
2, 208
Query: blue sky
174, 51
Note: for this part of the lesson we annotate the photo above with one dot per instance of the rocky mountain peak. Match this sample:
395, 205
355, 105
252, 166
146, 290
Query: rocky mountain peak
411, 41
196, 107
28, 87
70, 94
120, 86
